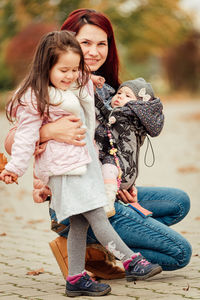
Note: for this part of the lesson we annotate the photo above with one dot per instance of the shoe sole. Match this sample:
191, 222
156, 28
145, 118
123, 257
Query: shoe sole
143, 277
87, 293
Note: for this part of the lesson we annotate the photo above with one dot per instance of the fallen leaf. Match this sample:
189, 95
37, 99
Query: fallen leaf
187, 288
196, 254
3, 234
8, 210
35, 272
188, 169
35, 221
197, 218
18, 218
193, 117
3, 162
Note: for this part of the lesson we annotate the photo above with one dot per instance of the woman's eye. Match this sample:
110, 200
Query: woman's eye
85, 43
102, 44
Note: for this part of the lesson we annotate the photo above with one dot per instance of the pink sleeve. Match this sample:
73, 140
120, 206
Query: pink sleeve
10, 139
26, 136
90, 88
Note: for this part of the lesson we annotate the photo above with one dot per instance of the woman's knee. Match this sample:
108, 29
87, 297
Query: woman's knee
184, 201
185, 256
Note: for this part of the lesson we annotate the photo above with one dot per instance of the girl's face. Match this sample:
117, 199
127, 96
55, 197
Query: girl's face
65, 71
94, 44
123, 95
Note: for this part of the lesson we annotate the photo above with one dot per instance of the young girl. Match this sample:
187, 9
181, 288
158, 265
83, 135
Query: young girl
52, 89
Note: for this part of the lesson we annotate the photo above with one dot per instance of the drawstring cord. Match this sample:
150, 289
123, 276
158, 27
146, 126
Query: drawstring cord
145, 155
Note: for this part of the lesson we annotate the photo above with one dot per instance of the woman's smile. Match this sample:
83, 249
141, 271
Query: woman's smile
94, 44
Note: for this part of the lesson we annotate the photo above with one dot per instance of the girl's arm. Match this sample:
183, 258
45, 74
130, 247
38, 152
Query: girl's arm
26, 136
66, 130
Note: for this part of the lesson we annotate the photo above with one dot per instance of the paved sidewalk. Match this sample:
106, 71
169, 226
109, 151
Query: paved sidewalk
25, 226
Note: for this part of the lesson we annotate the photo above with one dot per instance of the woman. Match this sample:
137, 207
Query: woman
159, 243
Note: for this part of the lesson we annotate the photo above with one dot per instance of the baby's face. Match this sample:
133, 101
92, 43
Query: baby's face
123, 95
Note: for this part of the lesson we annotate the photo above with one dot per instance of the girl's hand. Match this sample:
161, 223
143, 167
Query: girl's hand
8, 177
65, 130
97, 80
128, 196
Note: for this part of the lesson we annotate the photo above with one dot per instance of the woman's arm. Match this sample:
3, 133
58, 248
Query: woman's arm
65, 130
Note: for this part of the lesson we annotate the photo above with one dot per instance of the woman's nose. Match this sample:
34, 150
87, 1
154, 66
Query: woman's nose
93, 50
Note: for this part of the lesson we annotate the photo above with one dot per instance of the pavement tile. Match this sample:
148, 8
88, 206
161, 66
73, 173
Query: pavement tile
27, 226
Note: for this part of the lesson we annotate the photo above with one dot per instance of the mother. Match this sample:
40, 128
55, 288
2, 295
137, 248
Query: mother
151, 236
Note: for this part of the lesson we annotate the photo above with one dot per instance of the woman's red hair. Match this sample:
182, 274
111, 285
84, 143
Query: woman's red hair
77, 19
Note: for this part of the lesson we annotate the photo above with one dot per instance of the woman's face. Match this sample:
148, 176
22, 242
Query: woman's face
94, 44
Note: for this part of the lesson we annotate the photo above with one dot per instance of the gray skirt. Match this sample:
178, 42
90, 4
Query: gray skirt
76, 194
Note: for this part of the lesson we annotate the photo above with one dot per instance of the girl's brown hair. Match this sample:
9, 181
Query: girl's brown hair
46, 56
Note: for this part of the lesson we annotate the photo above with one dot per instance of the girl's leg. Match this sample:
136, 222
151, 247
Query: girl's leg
169, 205
136, 266
76, 244
78, 282
106, 235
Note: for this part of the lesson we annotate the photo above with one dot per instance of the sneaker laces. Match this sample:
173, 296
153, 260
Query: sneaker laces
144, 262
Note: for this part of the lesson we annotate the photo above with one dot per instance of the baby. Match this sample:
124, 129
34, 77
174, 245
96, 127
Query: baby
134, 112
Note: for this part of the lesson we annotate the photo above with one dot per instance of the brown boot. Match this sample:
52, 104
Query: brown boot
98, 260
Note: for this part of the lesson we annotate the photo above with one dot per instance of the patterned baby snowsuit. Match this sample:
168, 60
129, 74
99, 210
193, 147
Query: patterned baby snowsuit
133, 122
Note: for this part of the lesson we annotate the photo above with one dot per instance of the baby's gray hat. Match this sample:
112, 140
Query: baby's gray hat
142, 89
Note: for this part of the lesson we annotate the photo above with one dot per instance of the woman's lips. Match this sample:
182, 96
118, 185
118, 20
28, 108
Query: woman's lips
91, 61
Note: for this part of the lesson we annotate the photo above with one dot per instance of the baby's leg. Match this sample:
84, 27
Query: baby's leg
110, 174
76, 244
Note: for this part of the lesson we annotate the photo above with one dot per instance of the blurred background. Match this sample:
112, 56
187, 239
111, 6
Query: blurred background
158, 40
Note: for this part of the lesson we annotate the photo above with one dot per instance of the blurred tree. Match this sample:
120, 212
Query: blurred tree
182, 64
23, 22
21, 48
144, 28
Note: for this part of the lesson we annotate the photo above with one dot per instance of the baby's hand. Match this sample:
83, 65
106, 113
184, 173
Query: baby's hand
8, 177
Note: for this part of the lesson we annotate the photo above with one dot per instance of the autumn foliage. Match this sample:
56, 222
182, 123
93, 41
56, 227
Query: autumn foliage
182, 64
21, 48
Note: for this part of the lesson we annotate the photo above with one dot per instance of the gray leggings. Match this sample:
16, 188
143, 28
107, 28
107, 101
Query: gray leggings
104, 232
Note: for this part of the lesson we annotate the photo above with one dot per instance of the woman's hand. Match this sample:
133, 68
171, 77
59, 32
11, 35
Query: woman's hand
8, 177
129, 196
65, 130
